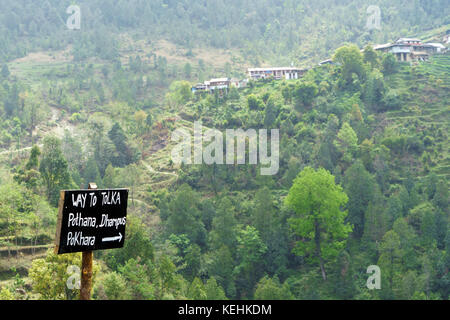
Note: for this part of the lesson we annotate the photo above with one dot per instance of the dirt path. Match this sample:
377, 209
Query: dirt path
150, 168
17, 150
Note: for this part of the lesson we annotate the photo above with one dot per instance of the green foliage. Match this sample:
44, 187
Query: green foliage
370, 56
6, 294
5, 71
254, 103
115, 287
389, 63
271, 289
365, 118
374, 91
137, 246
250, 251
50, 275
213, 290
360, 187
179, 93
224, 226
304, 94
138, 281
316, 201
54, 169
390, 262
197, 290
184, 215
347, 142
351, 63
125, 153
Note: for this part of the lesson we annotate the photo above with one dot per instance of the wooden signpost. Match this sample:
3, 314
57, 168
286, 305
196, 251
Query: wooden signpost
90, 220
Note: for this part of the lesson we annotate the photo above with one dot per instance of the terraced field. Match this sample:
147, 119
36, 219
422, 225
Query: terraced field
429, 104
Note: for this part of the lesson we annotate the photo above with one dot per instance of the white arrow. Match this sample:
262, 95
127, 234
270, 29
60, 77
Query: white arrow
119, 237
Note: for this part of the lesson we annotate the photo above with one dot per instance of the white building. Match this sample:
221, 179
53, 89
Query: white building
275, 73
408, 49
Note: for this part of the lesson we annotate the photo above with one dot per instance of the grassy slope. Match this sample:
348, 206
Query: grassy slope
429, 103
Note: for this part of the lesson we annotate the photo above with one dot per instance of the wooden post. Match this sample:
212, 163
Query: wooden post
86, 267
86, 275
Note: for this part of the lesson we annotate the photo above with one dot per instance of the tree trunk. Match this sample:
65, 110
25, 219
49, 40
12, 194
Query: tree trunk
318, 251
322, 268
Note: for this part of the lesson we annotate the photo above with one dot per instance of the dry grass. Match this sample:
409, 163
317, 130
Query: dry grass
46, 57
174, 54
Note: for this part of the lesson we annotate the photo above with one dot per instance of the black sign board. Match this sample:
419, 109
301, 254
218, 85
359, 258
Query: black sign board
91, 220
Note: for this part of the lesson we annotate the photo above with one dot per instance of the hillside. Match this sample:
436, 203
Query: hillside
363, 164
302, 33
401, 148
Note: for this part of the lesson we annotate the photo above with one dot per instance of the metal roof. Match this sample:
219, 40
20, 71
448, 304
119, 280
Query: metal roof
274, 69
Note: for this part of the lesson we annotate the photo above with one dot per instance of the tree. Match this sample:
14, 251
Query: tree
389, 63
250, 252
91, 173
187, 70
394, 209
327, 154
136, 276
193, 261
370, 56
390, 261
109, 177
263, 216
116, 287
214, 291
441, 197
33, 161
103, 148
184, 216
351, 62
131, 176
50, 275
319, 220
271, 113
179, 93
223, 226
140, 117
253, 102
32, 115
30, 175
374, 91
360, 186
14, 207
286, 92
271, 289
149, 121
220, 266
54, 169
167, 279
137, 246
5, 71
304, 94
196, 290
6, 294
124, 154
347, 142
375, 224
